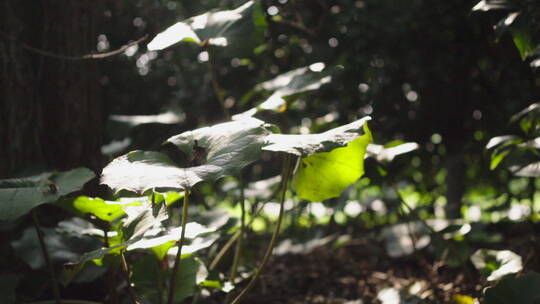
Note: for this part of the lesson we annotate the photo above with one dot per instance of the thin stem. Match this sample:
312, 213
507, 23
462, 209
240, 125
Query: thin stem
172, 280
238, 252
286, 173
215, 85
125, 270
224, 250
45, 253
231, 241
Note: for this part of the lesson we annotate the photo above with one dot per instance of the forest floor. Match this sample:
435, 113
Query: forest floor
361, 272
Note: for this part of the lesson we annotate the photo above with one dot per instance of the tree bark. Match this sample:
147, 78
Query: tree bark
50, 110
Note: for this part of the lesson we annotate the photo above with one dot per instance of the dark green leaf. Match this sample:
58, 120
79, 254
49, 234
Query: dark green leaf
523, 290
62, 248
524, 42
19, 196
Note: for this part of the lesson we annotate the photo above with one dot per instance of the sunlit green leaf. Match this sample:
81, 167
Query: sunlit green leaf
325, 175
104, 210
19, 196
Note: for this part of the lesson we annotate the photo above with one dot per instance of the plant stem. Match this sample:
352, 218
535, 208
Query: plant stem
238, 252
125, 269
285, 178
172, 280
45, 253
231, 241
215, 84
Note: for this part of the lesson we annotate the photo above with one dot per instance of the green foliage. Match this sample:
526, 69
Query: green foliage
522, 289
216, 151
19, 196
217, 28
325, 175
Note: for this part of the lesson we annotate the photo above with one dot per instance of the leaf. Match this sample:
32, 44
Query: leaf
62, 248
325, 175
488, 5
191, 273
104, 210
524, 42
19, 196
497, 158
219, 28
168, 117
523, 290
528, 170
297, 81
304, 145
151, 239
535, 107
387, 154
496, 263
223, 149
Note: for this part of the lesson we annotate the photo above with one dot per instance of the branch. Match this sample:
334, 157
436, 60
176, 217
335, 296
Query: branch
74, 58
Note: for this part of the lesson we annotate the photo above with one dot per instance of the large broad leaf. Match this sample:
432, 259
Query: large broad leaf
297, 81
221, 150
19, 196
523, 290
305, 145
62, 247
220, 28
326, 167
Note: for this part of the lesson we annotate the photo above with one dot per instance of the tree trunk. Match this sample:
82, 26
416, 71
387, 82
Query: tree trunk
50, 110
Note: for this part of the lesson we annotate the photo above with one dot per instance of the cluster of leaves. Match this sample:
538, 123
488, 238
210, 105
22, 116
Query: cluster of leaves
521, 21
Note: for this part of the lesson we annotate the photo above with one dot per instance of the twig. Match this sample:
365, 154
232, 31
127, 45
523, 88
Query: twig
286, 173
125, 270
238, 252
172, 280
74, 58
47, 257
296, 25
